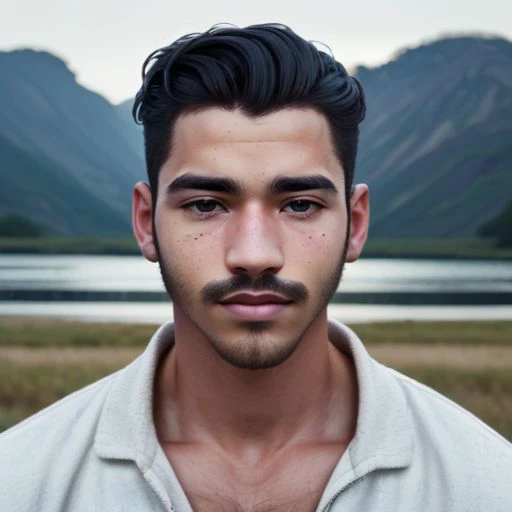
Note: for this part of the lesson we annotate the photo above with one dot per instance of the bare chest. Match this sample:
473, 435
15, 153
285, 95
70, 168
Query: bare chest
291, 482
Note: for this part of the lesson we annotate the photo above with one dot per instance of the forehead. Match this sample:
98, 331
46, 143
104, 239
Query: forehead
293, 124
221, 140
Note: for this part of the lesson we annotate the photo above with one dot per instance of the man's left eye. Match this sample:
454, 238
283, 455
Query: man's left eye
300, 206
206, 205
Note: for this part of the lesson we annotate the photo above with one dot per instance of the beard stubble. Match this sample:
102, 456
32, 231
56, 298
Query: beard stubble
250, 351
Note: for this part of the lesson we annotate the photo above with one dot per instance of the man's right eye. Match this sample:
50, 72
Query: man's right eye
206, 205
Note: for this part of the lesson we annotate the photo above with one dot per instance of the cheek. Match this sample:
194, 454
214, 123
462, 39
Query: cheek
189, 254
315, 251
323, 239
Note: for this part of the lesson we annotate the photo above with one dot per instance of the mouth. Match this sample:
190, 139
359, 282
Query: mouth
255, 306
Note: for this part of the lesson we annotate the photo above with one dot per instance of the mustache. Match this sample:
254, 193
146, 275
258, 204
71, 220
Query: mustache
216, 290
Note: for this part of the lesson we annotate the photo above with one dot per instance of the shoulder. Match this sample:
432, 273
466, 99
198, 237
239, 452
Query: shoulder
455, 444
444, 416
48, 445
59, 415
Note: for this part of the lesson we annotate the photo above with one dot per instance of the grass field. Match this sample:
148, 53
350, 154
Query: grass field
42, 360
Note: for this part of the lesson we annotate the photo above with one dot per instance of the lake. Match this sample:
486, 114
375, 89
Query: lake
128, 288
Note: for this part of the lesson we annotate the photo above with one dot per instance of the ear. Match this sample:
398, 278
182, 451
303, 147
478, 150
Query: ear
359, 221
142, 220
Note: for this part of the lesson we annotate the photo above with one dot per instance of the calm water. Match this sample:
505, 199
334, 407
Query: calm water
128, 288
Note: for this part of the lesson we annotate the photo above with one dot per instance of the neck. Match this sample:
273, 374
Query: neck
311, 397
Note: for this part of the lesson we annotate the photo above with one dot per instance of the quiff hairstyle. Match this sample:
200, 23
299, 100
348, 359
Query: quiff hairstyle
258, 69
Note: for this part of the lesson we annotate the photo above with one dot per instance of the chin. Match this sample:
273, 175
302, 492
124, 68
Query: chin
255, 351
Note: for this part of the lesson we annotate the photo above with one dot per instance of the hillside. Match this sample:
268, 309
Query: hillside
436, 147
69, 159
500, 227
49, 194
135, 135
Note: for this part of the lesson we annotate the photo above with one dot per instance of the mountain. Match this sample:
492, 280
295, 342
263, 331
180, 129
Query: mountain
69, 158
500, 227
124, 110
436, 146
49, 194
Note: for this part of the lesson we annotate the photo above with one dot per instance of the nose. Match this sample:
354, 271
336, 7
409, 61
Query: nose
253, 243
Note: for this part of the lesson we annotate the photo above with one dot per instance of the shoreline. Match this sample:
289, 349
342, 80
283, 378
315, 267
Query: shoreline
431, 249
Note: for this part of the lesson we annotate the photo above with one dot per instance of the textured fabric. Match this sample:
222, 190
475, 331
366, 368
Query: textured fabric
414, 450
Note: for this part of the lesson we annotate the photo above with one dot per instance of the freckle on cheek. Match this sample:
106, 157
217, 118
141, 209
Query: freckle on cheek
323, 234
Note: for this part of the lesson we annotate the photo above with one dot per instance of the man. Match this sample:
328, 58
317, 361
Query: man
252, 400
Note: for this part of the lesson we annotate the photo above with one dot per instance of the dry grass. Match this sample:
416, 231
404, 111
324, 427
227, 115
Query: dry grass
42, 360
487, 394
51, 332
68, 356
396, 355
480, 357
47, 332
486, 333
25, 390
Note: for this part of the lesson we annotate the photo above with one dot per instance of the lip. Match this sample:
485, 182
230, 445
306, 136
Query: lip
255, 299
255, 306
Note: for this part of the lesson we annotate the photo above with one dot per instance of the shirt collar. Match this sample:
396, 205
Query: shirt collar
383, 437
384, 432
126, 430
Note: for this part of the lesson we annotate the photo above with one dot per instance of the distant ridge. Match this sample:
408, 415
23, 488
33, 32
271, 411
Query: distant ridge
124, 110
65, 138
51, 196
436, 145
500, 227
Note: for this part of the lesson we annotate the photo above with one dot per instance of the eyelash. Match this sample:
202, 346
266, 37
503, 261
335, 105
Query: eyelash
314, 208
192, 207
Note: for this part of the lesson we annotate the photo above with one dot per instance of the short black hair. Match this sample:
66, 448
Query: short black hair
258, 69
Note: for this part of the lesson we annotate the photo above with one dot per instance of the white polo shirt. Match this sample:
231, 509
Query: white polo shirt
97, 450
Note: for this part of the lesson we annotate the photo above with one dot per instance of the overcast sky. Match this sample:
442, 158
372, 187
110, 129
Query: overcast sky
105, 41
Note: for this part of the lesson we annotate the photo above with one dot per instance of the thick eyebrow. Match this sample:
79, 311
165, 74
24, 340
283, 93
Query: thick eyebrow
301, 183
209, 183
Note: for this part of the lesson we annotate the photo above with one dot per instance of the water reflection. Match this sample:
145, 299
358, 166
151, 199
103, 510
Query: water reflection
134, 273
128, 288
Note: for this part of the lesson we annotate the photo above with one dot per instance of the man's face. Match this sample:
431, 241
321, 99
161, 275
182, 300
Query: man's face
250, 230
